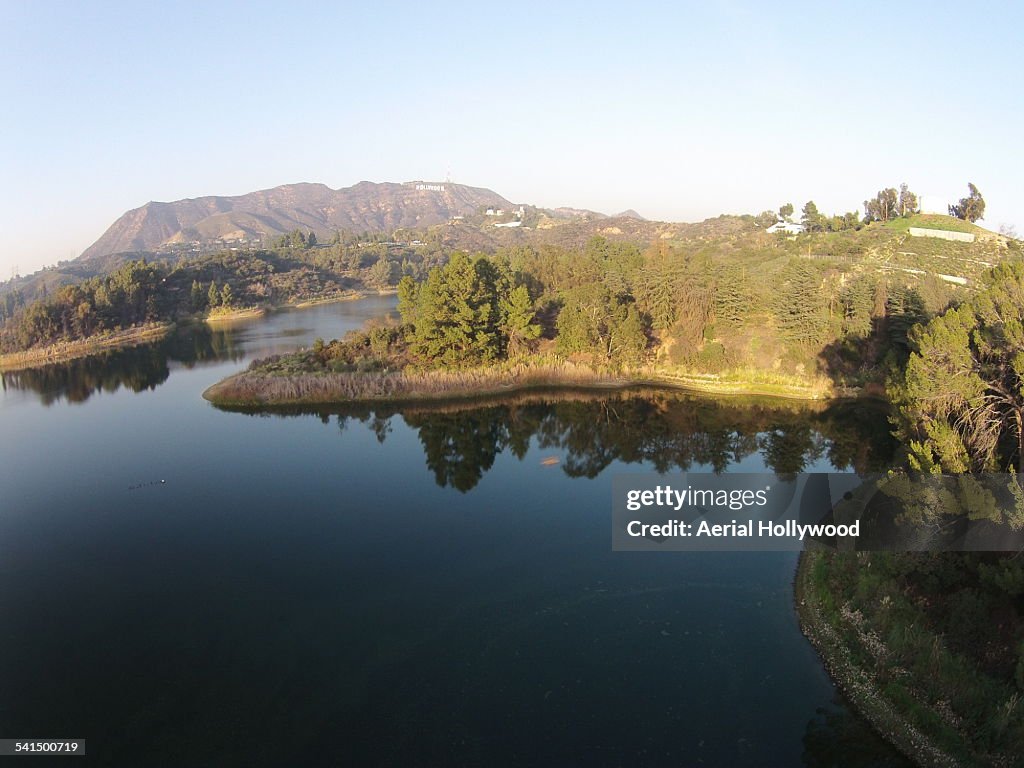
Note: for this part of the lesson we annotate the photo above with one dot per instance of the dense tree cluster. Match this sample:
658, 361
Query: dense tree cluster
813, 220
10, 303
468, 311
297, 268
891, 203
962, 396
125, 298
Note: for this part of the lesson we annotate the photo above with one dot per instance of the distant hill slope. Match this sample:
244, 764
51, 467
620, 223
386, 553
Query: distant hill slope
364, 207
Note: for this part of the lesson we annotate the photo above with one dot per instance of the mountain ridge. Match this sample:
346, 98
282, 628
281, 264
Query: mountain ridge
310, 206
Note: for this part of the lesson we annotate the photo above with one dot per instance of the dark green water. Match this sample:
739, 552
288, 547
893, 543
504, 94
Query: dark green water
184, 586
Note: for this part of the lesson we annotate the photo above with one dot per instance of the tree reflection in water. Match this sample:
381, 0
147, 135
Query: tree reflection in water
139, 368
667, 430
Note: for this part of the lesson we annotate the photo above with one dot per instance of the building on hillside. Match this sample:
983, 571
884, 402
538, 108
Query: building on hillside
930, 203
789, 227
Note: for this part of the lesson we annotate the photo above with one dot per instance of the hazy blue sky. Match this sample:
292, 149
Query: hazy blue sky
680, 110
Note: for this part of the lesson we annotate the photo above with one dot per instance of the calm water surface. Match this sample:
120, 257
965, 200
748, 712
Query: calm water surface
185, 586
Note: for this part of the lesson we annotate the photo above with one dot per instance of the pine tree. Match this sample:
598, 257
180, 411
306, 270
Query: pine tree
857, 305
812, 219
198, 298
961, 402
456, 313
408, 300
733, 296
213, 295
799, 306
519, 327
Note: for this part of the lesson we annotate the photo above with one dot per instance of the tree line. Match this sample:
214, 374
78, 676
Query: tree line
142, 291
887, 204
614, 304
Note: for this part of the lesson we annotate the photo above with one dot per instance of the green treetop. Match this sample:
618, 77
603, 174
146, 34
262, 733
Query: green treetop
970, 208
961, 400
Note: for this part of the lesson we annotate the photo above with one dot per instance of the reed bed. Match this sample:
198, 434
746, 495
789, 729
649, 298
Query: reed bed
255, 388
295, 387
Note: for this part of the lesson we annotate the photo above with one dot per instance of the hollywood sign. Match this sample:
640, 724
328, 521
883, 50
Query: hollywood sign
430, 187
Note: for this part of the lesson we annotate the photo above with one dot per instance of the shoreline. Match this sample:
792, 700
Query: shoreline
236, 314
250, 389
72, 350
65, 351
856, 683
353, 295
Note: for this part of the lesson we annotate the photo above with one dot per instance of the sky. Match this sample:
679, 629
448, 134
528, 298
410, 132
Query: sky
678, 110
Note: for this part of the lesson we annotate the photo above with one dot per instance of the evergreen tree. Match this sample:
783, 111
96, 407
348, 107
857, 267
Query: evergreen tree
198, 298
799, 307
857, 299
812, 219
213, 295
226, 297
582, 321
627, 340
961, 400
408, 300
519, 327
733, 296
457, 314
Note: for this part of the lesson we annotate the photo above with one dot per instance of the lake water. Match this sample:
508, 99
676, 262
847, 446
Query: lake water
185, 586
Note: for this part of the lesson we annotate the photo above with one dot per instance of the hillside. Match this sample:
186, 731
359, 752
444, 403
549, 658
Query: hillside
939, 221
256, 216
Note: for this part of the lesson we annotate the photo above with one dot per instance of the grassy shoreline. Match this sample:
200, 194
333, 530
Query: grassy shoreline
255, 389
71, 350
353, 295
229, 316
925, 732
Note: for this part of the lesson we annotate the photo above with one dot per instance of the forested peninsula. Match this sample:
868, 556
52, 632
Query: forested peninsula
827, 313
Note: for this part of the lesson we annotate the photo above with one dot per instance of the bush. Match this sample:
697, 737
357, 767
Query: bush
712, 359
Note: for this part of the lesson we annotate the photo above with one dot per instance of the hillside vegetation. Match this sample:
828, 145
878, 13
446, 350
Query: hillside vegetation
735, 304
721, 297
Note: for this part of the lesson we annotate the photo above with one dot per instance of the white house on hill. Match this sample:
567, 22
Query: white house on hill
785, 226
